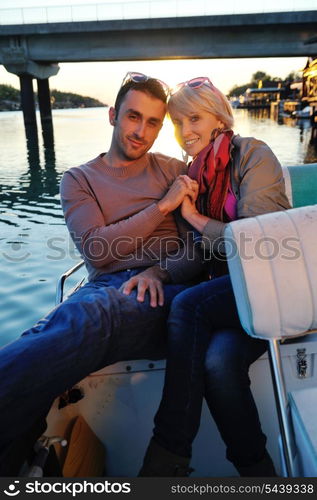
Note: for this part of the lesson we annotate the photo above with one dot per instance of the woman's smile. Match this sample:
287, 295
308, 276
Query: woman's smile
189, 142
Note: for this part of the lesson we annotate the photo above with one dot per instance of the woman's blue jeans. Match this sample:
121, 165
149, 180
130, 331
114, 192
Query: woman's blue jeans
209, 354
95, 327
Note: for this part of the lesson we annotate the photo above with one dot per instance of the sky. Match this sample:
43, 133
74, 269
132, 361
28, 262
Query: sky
102, 79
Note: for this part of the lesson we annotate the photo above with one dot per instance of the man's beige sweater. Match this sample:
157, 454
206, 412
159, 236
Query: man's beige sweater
112, 213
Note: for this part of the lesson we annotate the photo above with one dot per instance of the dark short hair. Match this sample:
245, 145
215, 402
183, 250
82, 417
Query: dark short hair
151, 87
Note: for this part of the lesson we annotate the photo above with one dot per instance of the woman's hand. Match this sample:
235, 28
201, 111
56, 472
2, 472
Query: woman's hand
188, 207
191, 214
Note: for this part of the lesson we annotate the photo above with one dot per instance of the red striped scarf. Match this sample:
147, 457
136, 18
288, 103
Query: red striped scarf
210, 169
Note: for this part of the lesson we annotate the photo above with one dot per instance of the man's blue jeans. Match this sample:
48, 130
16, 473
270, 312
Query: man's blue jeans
95, 327
209, 354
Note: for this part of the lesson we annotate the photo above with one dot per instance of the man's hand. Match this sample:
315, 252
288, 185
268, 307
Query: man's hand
150, 280
181, 187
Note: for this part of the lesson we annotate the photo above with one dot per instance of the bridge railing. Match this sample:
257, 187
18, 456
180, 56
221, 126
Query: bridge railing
145, 9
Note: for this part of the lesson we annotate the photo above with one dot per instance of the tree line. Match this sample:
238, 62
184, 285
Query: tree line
10, 99
266, 81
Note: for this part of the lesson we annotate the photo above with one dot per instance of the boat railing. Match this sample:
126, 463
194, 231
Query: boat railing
60, 293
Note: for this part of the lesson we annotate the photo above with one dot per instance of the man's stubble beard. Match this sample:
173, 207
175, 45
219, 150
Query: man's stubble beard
125, 155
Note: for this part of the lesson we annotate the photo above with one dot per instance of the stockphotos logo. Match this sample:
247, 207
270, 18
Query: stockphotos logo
73, 488
12, 490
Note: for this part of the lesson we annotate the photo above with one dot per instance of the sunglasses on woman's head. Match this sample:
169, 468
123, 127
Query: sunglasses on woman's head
132, 76
194, 83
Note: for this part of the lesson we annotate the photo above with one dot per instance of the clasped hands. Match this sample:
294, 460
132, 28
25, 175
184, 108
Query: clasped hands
183, 189
184, 192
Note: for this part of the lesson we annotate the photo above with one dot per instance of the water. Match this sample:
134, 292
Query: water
34, 244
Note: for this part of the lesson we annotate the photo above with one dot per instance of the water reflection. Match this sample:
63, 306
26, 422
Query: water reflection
305, 129
36, 183
311, 152
32, 144
301, 124
48, 141
260, 113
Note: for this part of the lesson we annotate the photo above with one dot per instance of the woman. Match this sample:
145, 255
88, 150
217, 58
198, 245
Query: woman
209, 354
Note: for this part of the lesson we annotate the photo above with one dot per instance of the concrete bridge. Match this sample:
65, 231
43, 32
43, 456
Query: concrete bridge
278, 34
34, 50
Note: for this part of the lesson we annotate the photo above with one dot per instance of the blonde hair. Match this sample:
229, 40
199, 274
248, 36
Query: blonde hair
188, 100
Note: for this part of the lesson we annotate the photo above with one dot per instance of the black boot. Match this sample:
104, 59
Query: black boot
159, 462
263, 468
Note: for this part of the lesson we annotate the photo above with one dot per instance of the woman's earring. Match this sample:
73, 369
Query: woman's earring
215, 133
184, 156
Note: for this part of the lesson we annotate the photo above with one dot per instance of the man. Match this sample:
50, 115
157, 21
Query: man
118, 208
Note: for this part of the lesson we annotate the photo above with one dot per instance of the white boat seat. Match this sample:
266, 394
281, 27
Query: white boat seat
276, 297
272, 262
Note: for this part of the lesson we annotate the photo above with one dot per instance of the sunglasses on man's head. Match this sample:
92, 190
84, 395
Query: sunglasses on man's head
194, 83
140, 78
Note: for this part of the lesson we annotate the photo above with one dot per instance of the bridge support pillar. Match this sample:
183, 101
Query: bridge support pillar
27, 70
43, 93
27, 99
